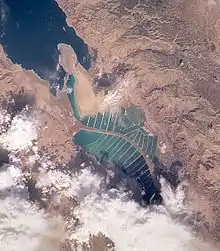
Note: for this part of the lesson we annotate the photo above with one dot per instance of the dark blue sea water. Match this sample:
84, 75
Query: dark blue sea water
30, 32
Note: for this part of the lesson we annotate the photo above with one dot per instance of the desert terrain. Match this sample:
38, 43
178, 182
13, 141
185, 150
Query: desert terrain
23, 92
161, 55
167, 53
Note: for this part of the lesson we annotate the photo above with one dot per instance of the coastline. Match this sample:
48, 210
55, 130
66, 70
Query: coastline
88, 102
52, 112
168, 77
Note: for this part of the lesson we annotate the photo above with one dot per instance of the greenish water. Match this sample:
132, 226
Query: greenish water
118, 138
30, 32
72, 96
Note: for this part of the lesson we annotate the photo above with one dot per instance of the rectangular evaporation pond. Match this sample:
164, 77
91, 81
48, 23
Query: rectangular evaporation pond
84, 138
145, 179
91, 121
137, 137
111, 122
131, 160
154, 147
118, 151
150, 145
130, 130
98, 121
105, 121
126, 155
100, 145
112, 148
134, 165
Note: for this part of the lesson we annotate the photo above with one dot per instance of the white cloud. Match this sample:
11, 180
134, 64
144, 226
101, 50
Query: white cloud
22, 224
9, 177
77, 185
19, 136
132, 227
125, 222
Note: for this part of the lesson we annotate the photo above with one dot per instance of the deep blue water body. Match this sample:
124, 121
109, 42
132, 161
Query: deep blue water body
30, 31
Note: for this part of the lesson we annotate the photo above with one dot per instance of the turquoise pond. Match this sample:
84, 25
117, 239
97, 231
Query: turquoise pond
30, 32
118, 138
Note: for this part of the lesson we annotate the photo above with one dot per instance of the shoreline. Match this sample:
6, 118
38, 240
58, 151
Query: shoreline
168, 77
69, 63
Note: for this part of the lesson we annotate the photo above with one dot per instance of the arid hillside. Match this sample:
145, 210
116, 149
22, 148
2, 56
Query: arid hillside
20, 88
166, 54
53, 149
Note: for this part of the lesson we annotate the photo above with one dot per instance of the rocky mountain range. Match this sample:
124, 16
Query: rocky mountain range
165, 56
